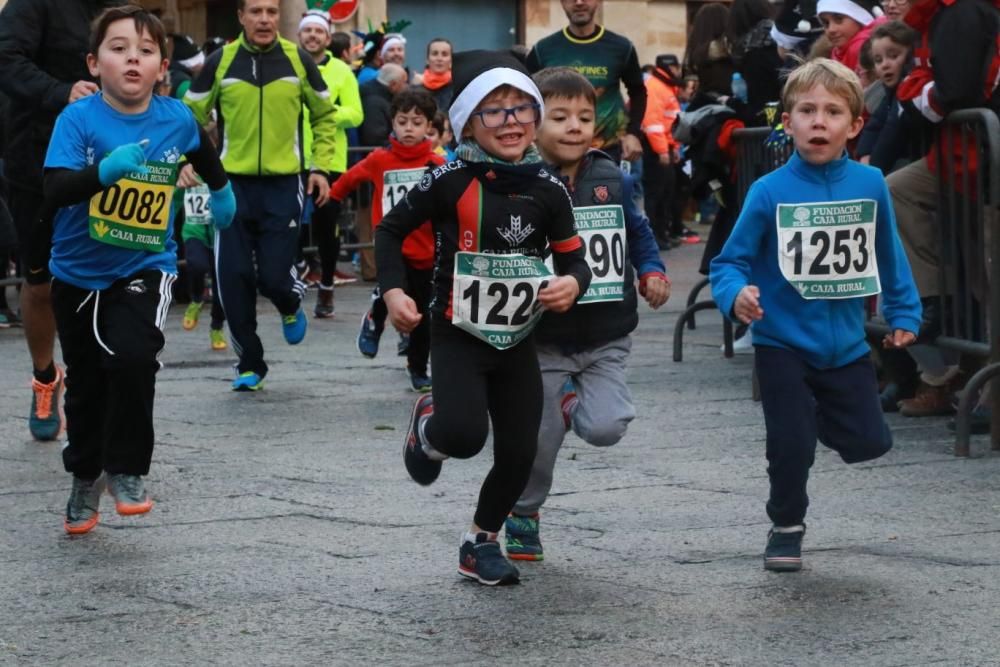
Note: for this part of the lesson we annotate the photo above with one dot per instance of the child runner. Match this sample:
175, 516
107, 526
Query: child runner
394, 170
440, 135
111, 167
814, 239
847, 24
494, 211
582, 352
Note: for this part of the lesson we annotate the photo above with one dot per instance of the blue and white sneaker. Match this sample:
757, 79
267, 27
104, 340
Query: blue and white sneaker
248, 381
369, 336
294, 327
483, 561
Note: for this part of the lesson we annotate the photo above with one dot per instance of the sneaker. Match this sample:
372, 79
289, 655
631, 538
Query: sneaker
191, 314
45, 422
341, 278
130, 494
688, 237
979, 421
218, 339
784, 549
741, 345
567, 402
423, 469
294, 327
368, 336
929, 401
248, 381
483, 561
403, 346
84, 500
419, 382
324, 303
523, 542
13, 319
5, 322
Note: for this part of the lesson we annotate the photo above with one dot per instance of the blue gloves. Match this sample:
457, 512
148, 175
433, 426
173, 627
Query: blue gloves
120, 162
223, 206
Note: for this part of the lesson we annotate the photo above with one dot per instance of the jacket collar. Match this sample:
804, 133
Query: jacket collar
245, 43
424, 148
822, 173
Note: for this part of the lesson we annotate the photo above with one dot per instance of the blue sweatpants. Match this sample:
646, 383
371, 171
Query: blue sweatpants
839, 406
258, 252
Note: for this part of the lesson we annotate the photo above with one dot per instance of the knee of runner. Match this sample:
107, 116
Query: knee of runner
461, 441
870, 450
607, 433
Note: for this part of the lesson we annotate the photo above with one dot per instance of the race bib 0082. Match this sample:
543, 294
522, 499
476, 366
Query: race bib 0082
827, 250
134, 212
495, 297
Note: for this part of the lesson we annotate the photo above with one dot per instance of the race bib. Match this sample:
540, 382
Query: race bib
827, 250
198, 205
134, 212
395, 185
602, 230
496, 296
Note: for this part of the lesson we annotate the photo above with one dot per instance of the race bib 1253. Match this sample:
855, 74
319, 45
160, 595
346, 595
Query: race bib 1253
827, 250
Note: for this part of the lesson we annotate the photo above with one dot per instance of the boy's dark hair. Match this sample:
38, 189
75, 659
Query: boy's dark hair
409, 100
564, 82
144, 22
897, 31
439, 39
865, 59
339, 42
440, 122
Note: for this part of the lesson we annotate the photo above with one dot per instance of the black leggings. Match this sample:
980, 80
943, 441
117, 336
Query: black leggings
474, 382
201, 261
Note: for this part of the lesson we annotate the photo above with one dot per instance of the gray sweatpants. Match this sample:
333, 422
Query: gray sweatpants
603, 411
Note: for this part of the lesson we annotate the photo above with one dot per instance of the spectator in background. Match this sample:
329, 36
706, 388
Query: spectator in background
895, 10
608, 60
755, 56
340, 47
185, 64
708, 55
661, 152
436, 78
393, 49
43, 49
847, 24
376, 99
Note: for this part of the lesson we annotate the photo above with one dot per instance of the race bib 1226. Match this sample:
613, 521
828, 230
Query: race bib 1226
827, 250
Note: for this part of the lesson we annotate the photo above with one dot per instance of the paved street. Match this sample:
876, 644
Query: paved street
286, 530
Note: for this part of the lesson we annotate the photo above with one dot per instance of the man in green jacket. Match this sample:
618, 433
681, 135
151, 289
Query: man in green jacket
315, 39
260, 84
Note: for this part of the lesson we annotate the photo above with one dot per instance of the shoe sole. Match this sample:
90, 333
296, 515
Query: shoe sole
406, 447
786, 564
357, 341
505, 581
249, 387
531, 557
219, 348
81, 528
132, 510
323, 316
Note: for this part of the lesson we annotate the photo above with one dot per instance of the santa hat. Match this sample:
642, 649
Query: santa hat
796, 23
315, 17
390, 40
862, 11
186, 52
475, 74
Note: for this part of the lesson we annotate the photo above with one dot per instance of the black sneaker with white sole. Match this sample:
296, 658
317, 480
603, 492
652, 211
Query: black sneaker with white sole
783, 552
483, 561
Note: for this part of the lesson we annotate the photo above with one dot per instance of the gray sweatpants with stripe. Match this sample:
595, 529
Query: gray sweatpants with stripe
602, 414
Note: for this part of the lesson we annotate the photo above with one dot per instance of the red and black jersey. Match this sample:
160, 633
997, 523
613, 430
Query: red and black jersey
487, 208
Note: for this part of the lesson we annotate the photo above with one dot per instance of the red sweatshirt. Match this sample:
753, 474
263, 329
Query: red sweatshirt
393, 171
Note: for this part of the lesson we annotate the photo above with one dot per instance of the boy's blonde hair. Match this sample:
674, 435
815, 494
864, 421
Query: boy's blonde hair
835, 77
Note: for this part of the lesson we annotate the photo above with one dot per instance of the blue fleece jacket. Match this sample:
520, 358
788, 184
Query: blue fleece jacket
827, 333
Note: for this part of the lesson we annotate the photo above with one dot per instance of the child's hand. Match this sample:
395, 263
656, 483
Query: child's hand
120, 162
188, 177
559, 293
899, 338
319, 185
403, 312
655, 289
747, 305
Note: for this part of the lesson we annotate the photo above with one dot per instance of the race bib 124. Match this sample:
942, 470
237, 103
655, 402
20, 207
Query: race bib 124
827, 250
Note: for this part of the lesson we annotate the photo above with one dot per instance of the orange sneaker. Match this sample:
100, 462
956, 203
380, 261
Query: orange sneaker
45, 420
82, 509
130, 494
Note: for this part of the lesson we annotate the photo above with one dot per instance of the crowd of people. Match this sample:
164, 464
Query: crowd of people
507, 195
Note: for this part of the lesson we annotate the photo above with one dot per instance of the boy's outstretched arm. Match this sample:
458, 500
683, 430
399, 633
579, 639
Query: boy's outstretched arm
654, 285
900, 300
730, 272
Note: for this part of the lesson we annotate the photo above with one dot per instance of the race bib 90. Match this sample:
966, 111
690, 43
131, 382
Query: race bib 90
134, 212
395, 185
495, 297
827, 250
602, 230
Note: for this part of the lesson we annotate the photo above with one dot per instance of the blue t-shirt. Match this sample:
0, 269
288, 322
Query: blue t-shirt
85, 132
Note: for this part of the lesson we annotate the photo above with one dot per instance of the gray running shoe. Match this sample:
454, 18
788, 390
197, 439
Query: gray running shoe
84, 500
130, 494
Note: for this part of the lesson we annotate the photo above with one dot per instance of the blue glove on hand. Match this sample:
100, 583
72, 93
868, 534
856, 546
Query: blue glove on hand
120, 162
223, 206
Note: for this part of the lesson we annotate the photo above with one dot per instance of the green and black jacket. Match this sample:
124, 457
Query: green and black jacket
260, 96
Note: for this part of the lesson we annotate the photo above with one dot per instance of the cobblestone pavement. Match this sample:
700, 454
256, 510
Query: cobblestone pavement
286, 530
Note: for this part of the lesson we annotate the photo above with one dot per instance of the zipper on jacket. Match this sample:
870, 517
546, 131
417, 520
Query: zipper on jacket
260, 114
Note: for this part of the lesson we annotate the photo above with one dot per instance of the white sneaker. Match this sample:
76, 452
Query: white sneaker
742, 345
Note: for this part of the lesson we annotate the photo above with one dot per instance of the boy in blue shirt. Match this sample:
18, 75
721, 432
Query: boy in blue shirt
111, 170
814, 239
588, 346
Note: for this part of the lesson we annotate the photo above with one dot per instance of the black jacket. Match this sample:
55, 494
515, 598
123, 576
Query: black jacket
376, 99
43, 50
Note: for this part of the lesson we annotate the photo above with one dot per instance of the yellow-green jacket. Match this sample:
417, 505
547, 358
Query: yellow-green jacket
260, 96
343, 87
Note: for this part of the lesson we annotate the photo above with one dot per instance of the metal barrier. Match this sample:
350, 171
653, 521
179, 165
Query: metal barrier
754, 158
347, 219
968, 273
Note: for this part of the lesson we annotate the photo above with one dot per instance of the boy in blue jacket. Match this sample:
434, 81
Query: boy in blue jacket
814, 239
586, 347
